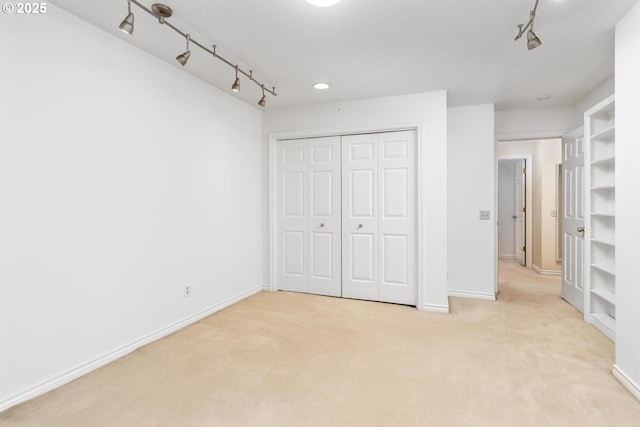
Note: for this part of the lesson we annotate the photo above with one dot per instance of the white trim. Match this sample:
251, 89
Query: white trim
273, 286
626, 382
434, 308
507, 256
107, 358
546, 272
317, 133
266, 288
474, 295
529, 136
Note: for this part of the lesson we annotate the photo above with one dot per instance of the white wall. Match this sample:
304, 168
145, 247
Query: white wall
600, 92
627, 198
471, 188
429, 111
506, 208
534, 123
122, 179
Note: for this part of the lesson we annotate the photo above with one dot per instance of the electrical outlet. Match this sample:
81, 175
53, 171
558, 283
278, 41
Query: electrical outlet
485, 215
187, 291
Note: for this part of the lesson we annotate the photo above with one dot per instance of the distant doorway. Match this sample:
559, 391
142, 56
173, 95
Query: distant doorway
512, 208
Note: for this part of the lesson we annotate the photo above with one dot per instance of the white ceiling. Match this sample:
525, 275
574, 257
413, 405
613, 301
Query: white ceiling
373, 48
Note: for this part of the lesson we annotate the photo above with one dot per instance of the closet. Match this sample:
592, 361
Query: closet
346, 216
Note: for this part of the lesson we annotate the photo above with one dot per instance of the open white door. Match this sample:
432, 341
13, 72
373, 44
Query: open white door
520, 210
573, 192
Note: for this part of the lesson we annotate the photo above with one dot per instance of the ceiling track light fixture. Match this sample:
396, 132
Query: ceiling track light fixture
162, 12
532, 40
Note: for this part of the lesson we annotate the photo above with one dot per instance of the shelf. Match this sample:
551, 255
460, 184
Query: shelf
605, 294
604, 188
604, 214
607, 134
606, 161
603, 242
607, 268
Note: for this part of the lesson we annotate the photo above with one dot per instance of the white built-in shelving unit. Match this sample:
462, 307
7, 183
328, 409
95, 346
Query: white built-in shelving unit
600, 224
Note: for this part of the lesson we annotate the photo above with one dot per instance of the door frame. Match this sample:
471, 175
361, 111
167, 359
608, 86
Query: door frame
319, 133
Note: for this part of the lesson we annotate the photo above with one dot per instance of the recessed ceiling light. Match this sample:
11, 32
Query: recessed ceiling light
321, 86
323, 3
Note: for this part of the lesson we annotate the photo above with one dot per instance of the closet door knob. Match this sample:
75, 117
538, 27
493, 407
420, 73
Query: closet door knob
580, 229
321, 224
359, 225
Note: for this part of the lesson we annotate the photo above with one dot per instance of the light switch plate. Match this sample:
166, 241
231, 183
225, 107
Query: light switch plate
485, 215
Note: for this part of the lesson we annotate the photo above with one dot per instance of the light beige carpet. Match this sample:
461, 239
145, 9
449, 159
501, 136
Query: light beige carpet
286, 359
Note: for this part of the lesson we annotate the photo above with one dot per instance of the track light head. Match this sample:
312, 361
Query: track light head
236, 85
263, 100
532, 40
183, 58
127, 24
236, 82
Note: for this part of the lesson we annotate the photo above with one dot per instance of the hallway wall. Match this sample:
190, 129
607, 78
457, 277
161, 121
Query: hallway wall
627, 200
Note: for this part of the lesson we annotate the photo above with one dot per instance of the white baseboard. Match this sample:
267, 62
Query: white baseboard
475, 295
507, 256
99, 362
626, 382
546, 272
435, 308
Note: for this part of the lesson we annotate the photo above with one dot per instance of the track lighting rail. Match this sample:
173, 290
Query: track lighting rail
211, 51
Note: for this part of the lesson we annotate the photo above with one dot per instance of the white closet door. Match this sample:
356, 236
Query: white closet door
324, 216
360, 216
397, 218
292, 215
309, 216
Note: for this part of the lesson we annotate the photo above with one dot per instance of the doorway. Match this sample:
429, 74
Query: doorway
512, 208
542, 228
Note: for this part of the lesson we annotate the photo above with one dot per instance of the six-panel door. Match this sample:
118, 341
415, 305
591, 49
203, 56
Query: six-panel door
360, 236
573, 215
309, 215
379, 217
